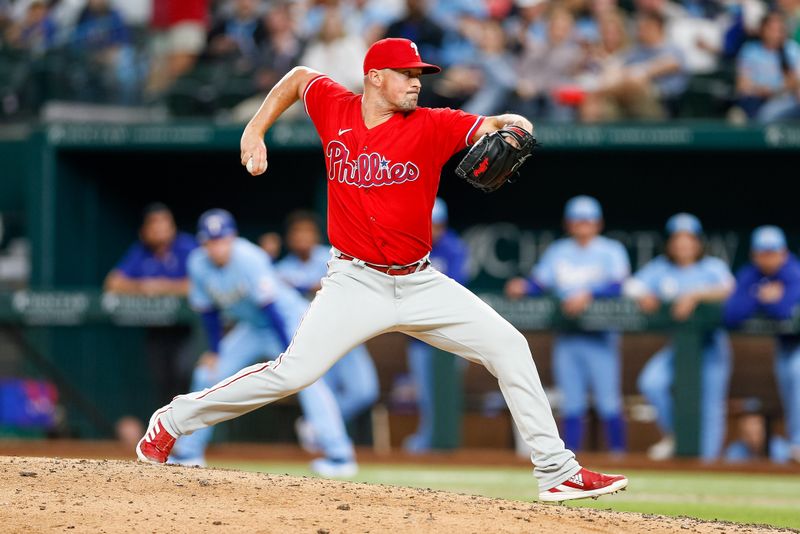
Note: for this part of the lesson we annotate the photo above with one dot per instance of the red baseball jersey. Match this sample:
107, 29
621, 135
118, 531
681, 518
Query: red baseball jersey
382, 181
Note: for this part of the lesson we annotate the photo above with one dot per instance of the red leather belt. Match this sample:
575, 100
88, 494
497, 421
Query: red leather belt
392, 271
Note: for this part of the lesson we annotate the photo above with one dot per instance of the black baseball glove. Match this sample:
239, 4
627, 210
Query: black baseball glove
493, 161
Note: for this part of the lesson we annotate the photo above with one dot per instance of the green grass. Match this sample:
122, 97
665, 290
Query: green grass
743, 498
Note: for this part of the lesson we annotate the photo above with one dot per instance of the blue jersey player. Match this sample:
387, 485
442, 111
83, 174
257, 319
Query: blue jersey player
448, 255
232, 277
770, 286
578, 269
353, 379
683, 277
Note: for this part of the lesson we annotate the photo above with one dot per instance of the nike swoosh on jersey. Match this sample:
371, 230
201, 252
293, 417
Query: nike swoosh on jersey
344, 131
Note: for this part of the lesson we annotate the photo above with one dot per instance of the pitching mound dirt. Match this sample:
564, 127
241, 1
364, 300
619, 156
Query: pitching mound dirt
49, 494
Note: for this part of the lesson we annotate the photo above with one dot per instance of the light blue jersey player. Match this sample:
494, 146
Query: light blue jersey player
684, 277
770, 286
353, 379
232, 277
578, 269
449, 255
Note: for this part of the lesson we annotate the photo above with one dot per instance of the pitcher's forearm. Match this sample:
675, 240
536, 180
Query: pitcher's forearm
286, 92
517, 120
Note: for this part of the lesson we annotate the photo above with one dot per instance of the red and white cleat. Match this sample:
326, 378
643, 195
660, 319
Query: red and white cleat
584, 484
156, 444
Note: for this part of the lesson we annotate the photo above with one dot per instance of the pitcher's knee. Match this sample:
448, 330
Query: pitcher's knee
516, 343
510, 347
294, 382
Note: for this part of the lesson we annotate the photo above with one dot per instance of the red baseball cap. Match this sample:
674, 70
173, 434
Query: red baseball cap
393, 53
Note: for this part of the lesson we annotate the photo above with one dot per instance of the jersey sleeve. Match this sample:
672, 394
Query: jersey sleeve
131, 262
720, 273
199, 299
319, 95
262, 283
645, 281
620, 267
544, 273
453, 129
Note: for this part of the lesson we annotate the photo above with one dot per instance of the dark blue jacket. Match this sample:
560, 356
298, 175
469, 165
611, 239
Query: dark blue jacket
743, 303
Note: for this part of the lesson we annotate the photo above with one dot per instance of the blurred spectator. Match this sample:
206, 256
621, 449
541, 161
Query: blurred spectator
666, 9
767, 73
461, 37
587, 23
366, 18
581, 15
35, 32
237, 38
178, 36
417, 26
280, 50
751, 442
697, 31
332, 51
448, 13
791, 10
683, 278
6, 19
494, 66
577, 270
460, 78
527, 24
546, 66
106, 60
156, 266
603, 65
369, 18
306, 263
770, 286
135, 13
651, 80
745, 21
449, 256
271, 243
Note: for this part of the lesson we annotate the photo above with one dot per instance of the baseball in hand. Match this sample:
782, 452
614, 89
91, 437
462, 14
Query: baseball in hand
250, 165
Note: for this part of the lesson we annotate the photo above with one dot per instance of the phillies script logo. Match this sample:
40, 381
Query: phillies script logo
367, 170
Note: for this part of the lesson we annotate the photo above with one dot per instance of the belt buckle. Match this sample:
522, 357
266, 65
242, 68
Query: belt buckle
392, 268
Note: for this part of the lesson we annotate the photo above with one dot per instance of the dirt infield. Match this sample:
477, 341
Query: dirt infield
51, 494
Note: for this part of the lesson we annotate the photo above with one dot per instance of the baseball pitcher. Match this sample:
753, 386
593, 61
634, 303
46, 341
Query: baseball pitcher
384, 157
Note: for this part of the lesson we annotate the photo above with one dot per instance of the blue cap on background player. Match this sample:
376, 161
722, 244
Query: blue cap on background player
767, 239
214, 224
684, 222
439, 215
583, 208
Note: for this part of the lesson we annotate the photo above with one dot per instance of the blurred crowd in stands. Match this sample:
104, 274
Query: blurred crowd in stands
553, 60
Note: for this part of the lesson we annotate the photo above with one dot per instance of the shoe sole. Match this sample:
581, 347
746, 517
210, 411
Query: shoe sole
619, 485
